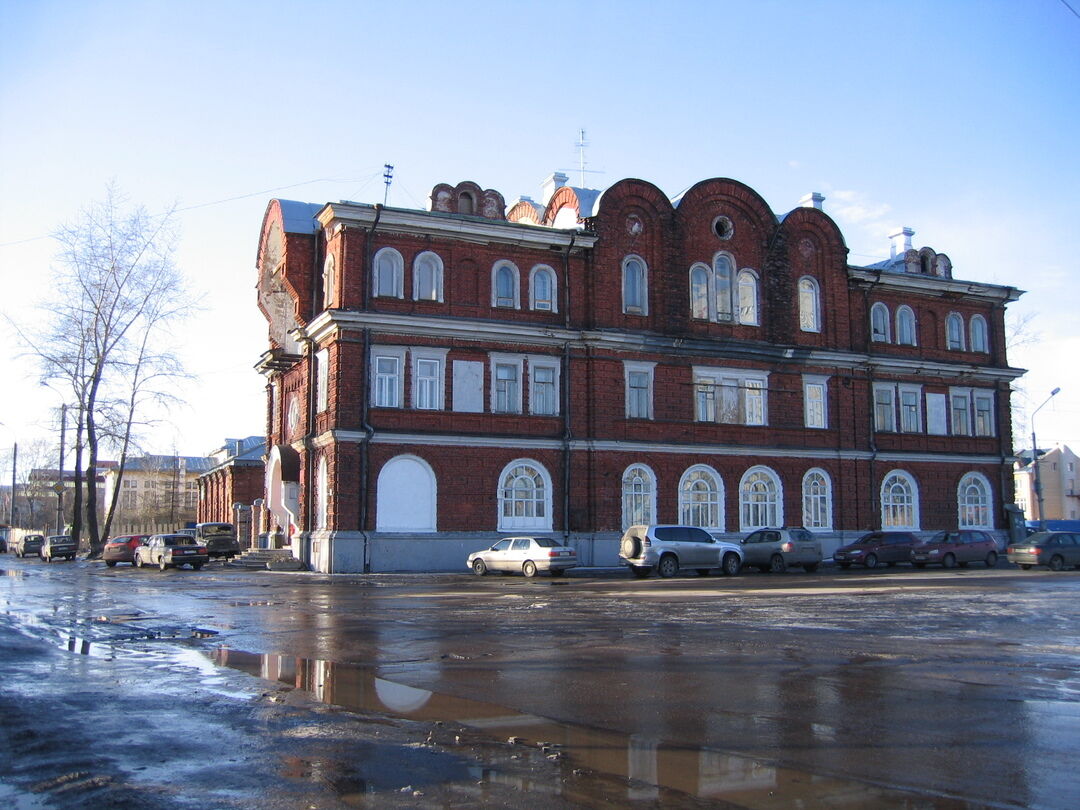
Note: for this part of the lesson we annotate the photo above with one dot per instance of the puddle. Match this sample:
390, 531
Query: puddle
647, 764
12, 572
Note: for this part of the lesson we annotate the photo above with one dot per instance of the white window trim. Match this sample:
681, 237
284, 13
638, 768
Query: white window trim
816, 380
416, 354
329, 279
880, 307
976, 394
710, 302
989, 502
651, 517
515, 282
915, 510
951, 318
322, 493
714, 375
496, 359
399, 273
914, 326
644, 311
733, 301
388, 351
554, 287
747, 272
438, 276
771, 473
966, 393
647, 368
985, 334
718, 480
817, 303
891, 388
909, 388
322, 380
828, 499
543, 523
544, 361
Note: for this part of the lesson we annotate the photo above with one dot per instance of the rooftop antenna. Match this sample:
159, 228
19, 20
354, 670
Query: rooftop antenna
581, 144
388, 176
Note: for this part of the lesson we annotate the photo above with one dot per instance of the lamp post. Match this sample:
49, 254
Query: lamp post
1035, 461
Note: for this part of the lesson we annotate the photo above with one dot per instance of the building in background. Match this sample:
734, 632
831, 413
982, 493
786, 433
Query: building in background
1058, 475
233, 484
157, 492
440, 378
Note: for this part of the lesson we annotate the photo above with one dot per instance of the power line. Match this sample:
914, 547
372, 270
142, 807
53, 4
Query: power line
1070, 8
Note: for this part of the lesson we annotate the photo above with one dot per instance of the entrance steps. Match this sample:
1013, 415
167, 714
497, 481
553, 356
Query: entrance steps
274, 559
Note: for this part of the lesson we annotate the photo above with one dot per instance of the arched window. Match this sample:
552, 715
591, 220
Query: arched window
428, 277
809, 305
701, 498
979, 342
748, 298
328, 279
321, 494
954, 332
638, 496
905, 326
635, 286
974, 503
505, 286
524, 497
543, 289
389, 270
899, 501
699, 292
817, 499
879, 323
760, 500
723, 286
405, 496
466, 204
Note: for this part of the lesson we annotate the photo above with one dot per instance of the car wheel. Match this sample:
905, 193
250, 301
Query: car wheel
479, 567
137, 562
702, 572
991, 560
528, 568
845, 566
162, 565
810, 568
111, 563
1025, 566
668, 566
731, 564
1056, 563
640, 571
949, 561
777, 564
870, 561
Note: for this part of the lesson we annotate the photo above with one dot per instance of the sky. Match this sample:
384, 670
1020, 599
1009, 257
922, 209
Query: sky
958, 119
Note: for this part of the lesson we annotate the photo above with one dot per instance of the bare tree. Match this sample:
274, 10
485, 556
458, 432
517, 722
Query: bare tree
117, 292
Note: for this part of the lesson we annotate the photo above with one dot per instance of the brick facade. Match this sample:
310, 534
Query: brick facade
439, 378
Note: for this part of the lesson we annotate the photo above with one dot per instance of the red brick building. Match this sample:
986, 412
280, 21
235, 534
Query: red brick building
438, 378
235, 480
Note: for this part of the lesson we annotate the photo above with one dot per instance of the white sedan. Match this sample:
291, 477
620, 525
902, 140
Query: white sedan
527, 555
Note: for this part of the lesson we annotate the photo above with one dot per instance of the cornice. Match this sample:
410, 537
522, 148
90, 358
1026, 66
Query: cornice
934, 286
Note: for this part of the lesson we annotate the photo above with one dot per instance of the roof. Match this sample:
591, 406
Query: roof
197, 464
299, 217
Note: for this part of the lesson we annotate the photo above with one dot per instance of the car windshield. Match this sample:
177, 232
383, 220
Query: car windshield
179, 540
870, 538
546, 542
212, 529
946, 537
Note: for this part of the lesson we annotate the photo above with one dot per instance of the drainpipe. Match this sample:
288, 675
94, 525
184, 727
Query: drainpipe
566, 437
369, 431
566, 281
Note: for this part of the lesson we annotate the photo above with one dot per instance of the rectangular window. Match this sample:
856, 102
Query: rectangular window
544, 394
814, 403
910, 421
884, 410
637, 395
984, 415
507, 389
322, 380
705, 401
387, 382
937, 418
960, 408
426, 385
729, 401
755, 402
729, 396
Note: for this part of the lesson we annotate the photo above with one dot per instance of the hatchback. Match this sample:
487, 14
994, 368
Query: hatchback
950, 549
527, 555
58, 546
122, 549
1055, 550
776, 550
877, 547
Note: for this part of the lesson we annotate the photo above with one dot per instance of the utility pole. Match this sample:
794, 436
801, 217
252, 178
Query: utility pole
388, 176
14, 466
60, 479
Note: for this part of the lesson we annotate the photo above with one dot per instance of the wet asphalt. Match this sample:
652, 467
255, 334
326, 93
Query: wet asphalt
891, 688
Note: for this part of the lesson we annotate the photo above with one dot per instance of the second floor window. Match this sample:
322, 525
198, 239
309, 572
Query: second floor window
544, 397
635, 291
954, 332
427, 384
387, 382
507, 389
809, 306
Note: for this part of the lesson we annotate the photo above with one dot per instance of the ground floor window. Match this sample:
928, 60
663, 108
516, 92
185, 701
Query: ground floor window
760, 499
524, 497
701, 498
899, 501
973, 502
638, 496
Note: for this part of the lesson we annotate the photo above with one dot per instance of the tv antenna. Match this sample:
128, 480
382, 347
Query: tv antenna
388, 176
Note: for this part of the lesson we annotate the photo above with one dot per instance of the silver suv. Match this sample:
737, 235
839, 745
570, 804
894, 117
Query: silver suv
668, 548
777, 549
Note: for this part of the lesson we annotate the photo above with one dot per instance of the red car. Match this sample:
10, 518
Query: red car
877, 547
122, 549
950, 549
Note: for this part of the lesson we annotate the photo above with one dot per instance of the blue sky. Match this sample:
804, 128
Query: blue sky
958, 119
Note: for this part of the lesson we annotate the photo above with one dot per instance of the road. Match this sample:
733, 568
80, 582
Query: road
893, 688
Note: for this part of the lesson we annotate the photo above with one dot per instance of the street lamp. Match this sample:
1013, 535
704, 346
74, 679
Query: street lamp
1035, 461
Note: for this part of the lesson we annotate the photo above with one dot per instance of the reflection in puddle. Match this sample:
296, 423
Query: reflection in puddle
12, 572
647, 763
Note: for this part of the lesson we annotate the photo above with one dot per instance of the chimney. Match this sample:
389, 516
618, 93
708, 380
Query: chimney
900, 248
551, 184
812, 200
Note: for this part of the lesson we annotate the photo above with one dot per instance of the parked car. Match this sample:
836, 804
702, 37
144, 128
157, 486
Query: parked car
877, 547
529, 555
122, 549
219, 539
165, 550
776, 550
1055, 550
953, 548
27, 544
666, 549
58, 546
